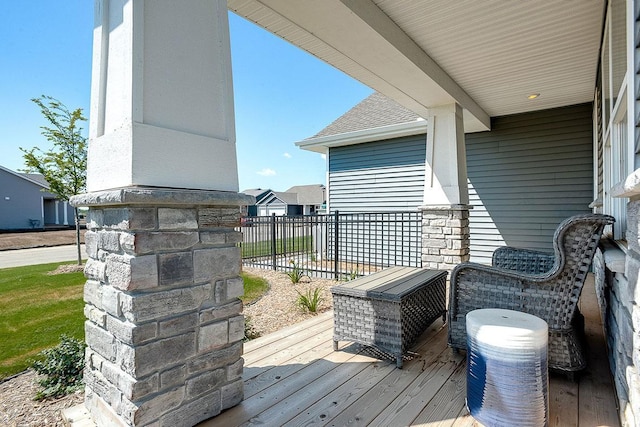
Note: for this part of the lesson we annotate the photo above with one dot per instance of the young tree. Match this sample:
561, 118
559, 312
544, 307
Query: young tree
64, 166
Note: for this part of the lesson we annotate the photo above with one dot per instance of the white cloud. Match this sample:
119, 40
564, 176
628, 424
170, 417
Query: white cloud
287, 155
266, 172
324, 156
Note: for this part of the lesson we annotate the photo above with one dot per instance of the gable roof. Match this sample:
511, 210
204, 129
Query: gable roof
34, 178
286, 198
375, 118
258, 193
374, 111
313, 194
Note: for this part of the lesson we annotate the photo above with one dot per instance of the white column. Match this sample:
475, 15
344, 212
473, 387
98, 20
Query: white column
57, 206
446, 165
161, 96
65, 204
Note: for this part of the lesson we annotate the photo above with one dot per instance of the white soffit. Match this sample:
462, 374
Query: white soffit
486, 55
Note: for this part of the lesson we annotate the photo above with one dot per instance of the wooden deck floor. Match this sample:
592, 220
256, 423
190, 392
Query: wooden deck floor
293, 377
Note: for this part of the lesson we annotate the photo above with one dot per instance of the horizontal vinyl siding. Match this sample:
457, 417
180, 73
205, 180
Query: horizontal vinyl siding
378, 176
526, 175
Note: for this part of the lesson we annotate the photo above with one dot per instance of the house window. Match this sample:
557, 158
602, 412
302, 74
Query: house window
612, 142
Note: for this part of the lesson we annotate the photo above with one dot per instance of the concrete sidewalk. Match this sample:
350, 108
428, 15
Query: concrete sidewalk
20, 257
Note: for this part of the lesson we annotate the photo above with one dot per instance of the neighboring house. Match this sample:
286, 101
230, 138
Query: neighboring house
311, 198
258, 193
525, 175
24, 205
297, 200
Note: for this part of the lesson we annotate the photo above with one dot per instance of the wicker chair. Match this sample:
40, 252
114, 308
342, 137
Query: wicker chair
545, 285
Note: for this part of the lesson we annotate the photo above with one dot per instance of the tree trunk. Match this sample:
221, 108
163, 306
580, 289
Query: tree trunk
77, 219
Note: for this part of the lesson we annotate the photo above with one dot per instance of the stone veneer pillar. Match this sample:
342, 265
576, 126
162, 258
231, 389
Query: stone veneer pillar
445, 236
164, 327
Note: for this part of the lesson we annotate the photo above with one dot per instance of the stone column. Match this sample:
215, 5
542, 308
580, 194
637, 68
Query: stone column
164, 329
445, 236
445, 213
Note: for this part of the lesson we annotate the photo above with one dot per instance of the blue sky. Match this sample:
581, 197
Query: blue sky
282, 94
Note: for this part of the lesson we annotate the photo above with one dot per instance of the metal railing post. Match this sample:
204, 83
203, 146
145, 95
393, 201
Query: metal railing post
273, 241
336, 260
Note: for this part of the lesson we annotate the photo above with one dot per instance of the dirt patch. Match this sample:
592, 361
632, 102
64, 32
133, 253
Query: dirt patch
38, 239
67, 268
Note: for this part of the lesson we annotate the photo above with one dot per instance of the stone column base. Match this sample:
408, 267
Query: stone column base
164, 330
445, 236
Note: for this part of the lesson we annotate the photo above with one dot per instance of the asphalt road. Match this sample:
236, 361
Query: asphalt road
20, 257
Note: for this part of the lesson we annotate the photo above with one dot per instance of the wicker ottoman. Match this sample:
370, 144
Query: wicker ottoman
388, 309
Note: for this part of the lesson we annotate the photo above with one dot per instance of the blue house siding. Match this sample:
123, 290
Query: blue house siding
526, 175
24, 206
377, 176
20, 201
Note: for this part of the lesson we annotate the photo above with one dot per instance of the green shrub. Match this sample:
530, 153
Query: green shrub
61, 368
297, 273
249, 330
310, 301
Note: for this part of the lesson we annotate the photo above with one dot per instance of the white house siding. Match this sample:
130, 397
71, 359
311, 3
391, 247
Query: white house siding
526, 175
379, 176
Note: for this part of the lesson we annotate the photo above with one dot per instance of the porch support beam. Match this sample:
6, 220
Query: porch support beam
358, 38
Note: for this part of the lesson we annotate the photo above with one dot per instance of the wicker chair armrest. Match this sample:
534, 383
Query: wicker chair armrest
479, 286
523, 260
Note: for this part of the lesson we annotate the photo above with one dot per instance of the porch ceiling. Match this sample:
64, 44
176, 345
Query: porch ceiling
488, 56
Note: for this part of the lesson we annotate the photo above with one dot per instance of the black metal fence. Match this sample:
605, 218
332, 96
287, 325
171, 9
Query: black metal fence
339, 246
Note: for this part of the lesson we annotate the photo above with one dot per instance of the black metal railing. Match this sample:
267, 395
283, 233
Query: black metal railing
339, 246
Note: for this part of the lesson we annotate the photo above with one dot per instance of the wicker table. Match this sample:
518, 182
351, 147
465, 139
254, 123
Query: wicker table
388, 309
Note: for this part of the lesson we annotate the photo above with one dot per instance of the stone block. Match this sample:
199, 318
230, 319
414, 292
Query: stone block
218, 217
100, 341
234, 371
236, 328
156, 356
192, 413
109, 241
234, 237
177, 219
111, 300
213, 237
95, 218
152, 409
176, 268
205, 383
235, 288
216, 263
432, 258
434, 243
116, 218
93, 293
178, 325
219, 312
131, 388
130, 333
153, 241
91, 244
95, 315
213, 336
216, 359
174, 376
141, 308
132, 273
94, 270
232, 394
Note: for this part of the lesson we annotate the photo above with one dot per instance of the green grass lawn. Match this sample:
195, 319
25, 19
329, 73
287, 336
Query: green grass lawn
36, 308
264, 248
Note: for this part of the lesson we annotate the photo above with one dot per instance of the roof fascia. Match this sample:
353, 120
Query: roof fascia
322, 144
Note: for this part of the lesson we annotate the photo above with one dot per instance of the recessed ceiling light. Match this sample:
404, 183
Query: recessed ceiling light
533, 96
